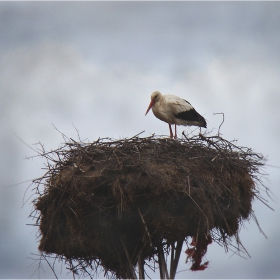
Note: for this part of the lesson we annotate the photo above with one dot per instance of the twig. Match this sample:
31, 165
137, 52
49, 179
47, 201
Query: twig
146, 228
221, 122
130, 265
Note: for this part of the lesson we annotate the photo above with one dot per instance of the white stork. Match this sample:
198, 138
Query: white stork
174, 110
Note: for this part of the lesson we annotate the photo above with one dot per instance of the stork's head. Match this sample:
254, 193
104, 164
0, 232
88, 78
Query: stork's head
155, 97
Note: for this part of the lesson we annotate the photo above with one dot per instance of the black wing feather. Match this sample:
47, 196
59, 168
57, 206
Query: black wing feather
193, 116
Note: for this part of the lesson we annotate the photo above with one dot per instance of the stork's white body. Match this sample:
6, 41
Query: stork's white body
174, 110
170, 105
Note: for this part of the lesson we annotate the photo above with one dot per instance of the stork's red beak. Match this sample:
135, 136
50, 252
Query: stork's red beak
150, 106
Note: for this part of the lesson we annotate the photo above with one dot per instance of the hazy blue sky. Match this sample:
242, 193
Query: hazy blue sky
93, 66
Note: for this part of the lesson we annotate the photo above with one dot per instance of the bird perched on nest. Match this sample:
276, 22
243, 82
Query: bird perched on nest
174, 110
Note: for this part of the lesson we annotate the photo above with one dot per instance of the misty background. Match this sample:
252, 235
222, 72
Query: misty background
92, 66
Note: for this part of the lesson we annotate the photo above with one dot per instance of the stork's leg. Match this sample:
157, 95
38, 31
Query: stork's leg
175, 131
170, 129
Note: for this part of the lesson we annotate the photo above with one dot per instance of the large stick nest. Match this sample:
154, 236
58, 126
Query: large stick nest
113, 201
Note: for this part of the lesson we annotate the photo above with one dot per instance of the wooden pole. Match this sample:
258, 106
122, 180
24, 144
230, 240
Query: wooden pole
162, 262
141, 266
174, 262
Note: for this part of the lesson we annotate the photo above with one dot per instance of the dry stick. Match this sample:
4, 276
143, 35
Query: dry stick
141, 266
51, 267
137, 134
174, 263
200, 210
171, 257
162, 262
130, 266
148, 233
221, 122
